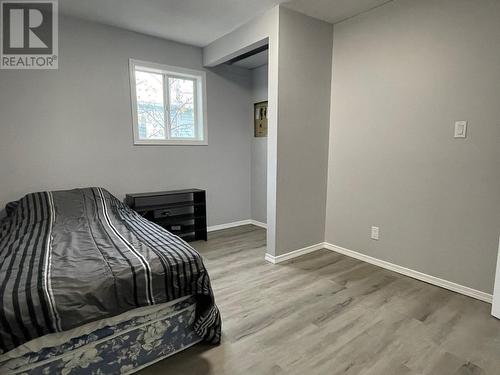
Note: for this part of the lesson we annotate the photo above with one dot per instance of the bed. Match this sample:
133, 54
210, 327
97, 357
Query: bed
88, 286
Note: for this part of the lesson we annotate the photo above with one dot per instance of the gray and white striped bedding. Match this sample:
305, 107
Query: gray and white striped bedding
72, 257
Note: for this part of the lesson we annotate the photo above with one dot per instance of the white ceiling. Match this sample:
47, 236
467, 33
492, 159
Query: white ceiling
195, 22
200, 22
334, 11
254, 61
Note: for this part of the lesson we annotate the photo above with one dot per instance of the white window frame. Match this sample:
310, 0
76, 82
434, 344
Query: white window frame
200, 109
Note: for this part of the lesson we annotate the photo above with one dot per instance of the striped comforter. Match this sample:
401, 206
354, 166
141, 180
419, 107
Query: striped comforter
71, 257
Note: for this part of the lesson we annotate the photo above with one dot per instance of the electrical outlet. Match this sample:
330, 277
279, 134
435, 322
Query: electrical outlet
375, 233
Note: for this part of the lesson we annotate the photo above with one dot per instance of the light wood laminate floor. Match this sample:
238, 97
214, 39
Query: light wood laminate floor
325, 313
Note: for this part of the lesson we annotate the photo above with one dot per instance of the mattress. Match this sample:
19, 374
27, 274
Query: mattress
121, 344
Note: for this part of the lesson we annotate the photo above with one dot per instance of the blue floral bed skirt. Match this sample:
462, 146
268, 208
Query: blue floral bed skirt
118, 349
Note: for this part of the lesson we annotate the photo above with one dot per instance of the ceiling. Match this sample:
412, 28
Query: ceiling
195, 22
254, 61
200, 22
334, 11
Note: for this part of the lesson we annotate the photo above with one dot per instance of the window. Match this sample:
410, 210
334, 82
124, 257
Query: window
168, 105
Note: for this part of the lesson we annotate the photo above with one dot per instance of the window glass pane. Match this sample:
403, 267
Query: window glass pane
150, 110
182, 116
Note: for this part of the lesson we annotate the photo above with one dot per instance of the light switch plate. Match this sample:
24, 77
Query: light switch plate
461, 129
375, 233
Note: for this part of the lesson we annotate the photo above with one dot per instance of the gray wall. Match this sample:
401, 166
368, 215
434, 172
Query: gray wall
73, 127
403, 74
305, 56
259, 150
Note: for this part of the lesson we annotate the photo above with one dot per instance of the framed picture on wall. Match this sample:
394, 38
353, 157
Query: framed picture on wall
260, 116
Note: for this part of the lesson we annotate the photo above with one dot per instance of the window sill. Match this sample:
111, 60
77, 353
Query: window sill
171, 143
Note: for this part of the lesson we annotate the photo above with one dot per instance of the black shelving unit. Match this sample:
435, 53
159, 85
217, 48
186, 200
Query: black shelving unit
182, 212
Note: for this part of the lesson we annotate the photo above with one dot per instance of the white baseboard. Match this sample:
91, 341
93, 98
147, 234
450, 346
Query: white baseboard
414, 274
229, 225
477, 294
236, 224
258, 224
293, 254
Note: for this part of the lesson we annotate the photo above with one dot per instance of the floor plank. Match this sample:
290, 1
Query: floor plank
325, 313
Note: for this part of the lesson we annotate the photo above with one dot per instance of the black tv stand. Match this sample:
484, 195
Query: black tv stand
181, 212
